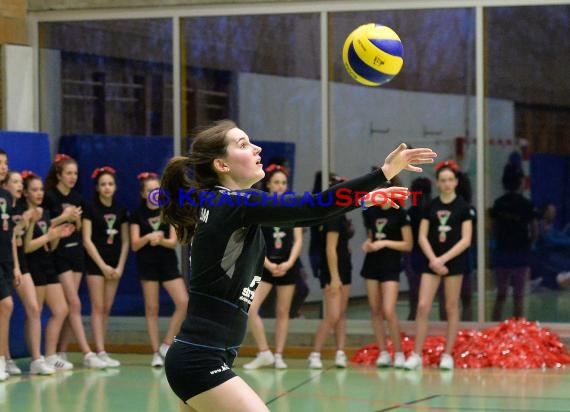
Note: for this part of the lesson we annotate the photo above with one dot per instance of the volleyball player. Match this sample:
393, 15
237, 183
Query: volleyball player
389, 234
281, 269
105, 229
154, 242
228, 255
66, 206
444, 236
26, 290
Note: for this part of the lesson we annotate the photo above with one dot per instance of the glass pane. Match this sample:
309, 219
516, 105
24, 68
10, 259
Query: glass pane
106, 100
429, 103
528, 156
263, 72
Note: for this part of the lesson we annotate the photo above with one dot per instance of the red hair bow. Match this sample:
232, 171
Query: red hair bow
275, 167
104, 169
452, 164
60, 157
147, 175
28, 173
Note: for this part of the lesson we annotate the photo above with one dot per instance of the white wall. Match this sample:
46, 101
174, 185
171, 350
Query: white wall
17, 78
288, 109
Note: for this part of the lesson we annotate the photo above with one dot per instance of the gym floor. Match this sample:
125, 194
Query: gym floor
135, 386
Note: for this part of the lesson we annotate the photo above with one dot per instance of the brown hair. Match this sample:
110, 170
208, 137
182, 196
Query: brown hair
194, 171
56, 169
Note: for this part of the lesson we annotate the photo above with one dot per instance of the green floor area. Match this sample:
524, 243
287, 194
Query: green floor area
135, 386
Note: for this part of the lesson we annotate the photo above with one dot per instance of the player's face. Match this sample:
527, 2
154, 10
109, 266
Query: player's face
35, 192
14, 185
243, 159
446, 182
149, 186
68, 176
277, 183
106, 186
3, 166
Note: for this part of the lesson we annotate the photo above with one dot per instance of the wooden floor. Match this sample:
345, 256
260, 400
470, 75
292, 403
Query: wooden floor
135, 386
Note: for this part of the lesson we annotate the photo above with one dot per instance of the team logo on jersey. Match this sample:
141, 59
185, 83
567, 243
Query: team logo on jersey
278, 236
43, 227
5, 216
380, 224
110, 219
19, 233
223, 368
248, 292
443, 228
204, 215
154, 223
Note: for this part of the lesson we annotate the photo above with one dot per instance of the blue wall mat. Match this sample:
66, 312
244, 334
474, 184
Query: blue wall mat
27, 151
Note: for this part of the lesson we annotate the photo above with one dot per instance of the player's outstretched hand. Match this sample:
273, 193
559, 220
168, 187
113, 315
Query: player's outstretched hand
404, 159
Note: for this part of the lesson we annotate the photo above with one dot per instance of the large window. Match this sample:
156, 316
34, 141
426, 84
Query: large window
528, 109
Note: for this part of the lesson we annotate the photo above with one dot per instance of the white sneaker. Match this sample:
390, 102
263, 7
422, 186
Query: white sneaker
110, 362
340, 359
446, 362
399, 360
413, 362
40, 367
3, 374
384, 360
279, 363
12, 368
62, 356
92, 361
58, 364
157, 360
315, 361
264, 358
163, 349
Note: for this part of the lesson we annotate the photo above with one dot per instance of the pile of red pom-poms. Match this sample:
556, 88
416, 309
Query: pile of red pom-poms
513, 344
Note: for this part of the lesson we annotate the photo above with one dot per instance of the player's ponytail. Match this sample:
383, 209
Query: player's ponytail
185, 176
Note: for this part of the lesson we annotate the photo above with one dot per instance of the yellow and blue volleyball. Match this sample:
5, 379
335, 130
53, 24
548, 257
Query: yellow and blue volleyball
373, 54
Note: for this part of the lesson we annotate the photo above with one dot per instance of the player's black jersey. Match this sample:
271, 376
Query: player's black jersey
340, 224
228, 251
445, 221
278, 243
385, 224
19, 209
106, 224
149, 221
6, 226
41, 257
55, 202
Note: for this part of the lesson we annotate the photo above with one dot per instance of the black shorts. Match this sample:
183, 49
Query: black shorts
192, 370
43, 275
383, 277
159, 271
325, 278
6, 279
22, 261
91, 267
70, 258
290, 278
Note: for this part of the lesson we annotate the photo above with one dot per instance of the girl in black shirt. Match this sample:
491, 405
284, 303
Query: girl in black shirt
445, 235
40, 241
389, 234
26, 291
65, 205
154, 242
281, 269
106, 239
228, 253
